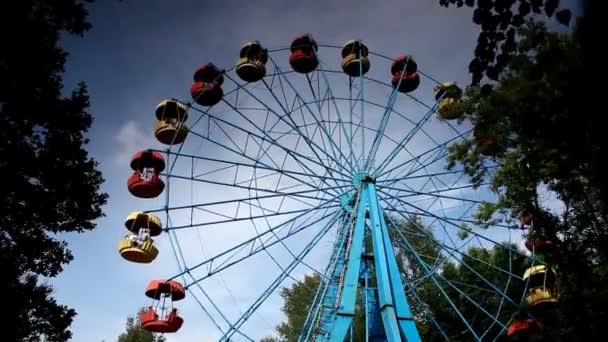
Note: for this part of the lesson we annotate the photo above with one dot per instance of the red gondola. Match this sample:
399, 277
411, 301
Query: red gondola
404, 61
158, 288
143, 186
147, 159
406, 82
207, 88
165, 320
145, 181
524, 329
405, 74
209, 73
303, 58
152, 322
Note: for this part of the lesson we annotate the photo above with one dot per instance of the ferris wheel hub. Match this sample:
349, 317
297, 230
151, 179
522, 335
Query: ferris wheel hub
362, 178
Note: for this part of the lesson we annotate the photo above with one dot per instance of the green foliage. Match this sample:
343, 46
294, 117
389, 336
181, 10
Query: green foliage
49, 183
464, 231
499, 21
297, 302
465, 283
269, 339
548, 143
134, 332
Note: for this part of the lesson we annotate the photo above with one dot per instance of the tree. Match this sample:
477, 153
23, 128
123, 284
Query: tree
49, 183
499, 21
544, 141
296, 305
135, 332
269, 339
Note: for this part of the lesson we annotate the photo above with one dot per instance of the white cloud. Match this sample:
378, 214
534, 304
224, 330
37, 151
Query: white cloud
130, 138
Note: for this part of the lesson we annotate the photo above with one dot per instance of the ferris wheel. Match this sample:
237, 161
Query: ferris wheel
329, 160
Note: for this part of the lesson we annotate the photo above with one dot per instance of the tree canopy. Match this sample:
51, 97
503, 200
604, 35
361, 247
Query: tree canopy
546, 142
499, 21
135, 332
50, 184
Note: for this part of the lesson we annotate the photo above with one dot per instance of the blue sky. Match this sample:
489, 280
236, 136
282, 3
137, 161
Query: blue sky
139, 53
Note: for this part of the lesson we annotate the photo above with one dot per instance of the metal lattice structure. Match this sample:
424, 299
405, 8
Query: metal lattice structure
336, 146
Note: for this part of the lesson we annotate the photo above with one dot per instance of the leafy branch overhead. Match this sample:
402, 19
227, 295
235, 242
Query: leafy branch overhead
499, 21
533, 130
50, 183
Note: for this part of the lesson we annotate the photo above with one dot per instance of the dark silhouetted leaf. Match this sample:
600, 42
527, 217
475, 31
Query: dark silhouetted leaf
477, 66
479, 49
484, 4
550, 7
486, 89
502, 59
517, 20
536, 6
489, 25
509, 46
483, 37
477, 16
511, 34
493, 72
459, 3
563, 17
476, 78
524, 8
469, 3
505, 20
444, 3
487, 55
499, 36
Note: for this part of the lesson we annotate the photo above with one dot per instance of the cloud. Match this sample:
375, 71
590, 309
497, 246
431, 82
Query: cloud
130, 138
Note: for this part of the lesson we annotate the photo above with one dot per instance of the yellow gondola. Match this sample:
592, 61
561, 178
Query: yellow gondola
170, 128
138, 246
542, 285
251, 65
169, 133
355, 61
133, 251
448, 93
138, 220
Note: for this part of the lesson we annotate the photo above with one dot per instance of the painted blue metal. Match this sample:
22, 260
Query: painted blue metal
348, 295
396, 316
323, 128
266, 138
383, 122
323, 322
243, 244
310, 325
404, 142
404, 314
420, 155
321, 71
388, 315
275, 284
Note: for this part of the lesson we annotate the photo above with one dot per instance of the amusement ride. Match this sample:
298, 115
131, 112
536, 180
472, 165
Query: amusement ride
343, 150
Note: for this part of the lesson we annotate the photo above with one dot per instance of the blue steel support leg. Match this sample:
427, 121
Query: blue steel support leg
346, 308
385, 293
396, 315
391, 316
404, 314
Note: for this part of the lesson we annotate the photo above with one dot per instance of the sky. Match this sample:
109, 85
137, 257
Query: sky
138, 53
